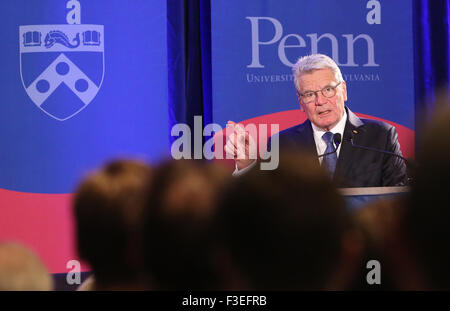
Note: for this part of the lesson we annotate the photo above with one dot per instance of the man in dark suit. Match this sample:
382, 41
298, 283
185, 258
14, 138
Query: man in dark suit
322, 94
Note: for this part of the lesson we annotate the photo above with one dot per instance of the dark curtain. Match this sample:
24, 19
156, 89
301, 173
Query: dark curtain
432, 53
189, 58
189, 62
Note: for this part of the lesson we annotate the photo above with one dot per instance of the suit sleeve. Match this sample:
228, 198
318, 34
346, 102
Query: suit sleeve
394, 168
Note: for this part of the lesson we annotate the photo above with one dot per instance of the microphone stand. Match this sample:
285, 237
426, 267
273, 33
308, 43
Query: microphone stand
410, 165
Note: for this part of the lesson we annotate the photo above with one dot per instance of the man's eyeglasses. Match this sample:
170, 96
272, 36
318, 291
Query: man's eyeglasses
310, 96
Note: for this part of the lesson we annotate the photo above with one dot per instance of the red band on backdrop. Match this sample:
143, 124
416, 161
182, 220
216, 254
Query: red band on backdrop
42, 222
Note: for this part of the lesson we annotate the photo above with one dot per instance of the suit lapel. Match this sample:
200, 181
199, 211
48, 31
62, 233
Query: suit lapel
346, 155
306, 136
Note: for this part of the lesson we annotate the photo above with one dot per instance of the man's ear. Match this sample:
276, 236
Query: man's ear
300, 102
344, 88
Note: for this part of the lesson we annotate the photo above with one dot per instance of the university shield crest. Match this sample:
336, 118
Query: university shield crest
62, 66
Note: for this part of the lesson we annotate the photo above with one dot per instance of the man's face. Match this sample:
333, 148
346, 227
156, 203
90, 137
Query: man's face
323, 112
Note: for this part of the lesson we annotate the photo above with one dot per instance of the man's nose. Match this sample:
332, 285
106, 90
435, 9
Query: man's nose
320, 99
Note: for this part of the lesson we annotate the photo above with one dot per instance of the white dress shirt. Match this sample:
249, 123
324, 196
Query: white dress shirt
321, 145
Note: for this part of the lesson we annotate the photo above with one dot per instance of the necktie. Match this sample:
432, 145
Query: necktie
329, 160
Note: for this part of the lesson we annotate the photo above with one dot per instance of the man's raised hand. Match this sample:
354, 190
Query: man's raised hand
240, 145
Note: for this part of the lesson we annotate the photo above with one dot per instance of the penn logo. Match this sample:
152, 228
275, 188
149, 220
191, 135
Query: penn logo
62, 66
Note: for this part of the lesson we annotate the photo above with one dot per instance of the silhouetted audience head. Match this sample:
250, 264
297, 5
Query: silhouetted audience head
287, 229
179, 223
409, 235
21, 269
429, 217
388, 240
108, 207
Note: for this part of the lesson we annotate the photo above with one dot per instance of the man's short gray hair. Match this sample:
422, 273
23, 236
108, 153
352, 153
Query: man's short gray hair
309, 63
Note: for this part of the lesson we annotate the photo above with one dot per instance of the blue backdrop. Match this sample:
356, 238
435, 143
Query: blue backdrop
255, 44
85, 99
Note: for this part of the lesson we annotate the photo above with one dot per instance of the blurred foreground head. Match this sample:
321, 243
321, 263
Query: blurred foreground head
179, 221
286, 229
108, 209
22, 270
429, 216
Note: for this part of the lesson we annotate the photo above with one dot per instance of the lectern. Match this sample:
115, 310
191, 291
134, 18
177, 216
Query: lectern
359, 197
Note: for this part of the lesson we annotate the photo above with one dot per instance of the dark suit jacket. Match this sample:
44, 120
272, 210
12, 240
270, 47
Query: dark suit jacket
357, 167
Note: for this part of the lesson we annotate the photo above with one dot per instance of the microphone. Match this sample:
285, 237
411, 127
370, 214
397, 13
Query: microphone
337, 141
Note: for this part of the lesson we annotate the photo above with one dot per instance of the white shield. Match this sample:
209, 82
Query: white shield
62, 66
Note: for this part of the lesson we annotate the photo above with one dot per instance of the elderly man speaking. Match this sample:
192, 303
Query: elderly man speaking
334, 130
